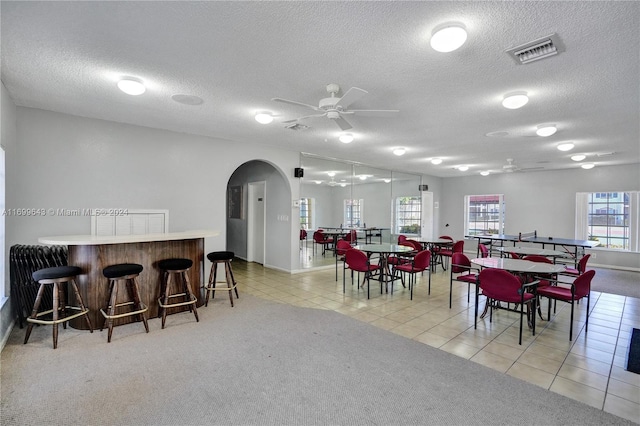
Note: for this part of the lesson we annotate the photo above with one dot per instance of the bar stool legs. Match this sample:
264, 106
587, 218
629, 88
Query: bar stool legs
217, 257
56, 276
178, 267
127, 272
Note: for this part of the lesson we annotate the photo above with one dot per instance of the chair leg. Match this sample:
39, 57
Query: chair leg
34, 312
233, 280
81, 303
138, 303
227, 273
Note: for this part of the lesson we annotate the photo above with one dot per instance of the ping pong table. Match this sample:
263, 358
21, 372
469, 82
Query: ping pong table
574, 248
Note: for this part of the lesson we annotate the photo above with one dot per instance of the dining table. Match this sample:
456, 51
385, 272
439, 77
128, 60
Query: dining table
434, 245
384, 250
526, 268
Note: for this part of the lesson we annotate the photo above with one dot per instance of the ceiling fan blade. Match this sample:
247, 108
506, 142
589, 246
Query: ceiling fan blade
373, 112
344, 124
350, 97
287, 101
305, 117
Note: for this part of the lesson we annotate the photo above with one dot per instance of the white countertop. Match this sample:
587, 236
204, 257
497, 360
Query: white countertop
92, 240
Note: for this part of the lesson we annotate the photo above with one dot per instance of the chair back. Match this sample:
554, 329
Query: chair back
460, 263
415, 244
406, 243
582, 284
351, 236
582, 265
303, 234
341, 247
422, 260
499, 284
537, 258
458, 247
446, 237
484, 251
401, 238
318, 236
357, 260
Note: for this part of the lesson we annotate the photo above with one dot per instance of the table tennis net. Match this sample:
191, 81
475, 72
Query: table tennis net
522, 236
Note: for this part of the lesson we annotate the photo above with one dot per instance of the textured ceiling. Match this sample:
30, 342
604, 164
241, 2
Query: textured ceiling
237, 56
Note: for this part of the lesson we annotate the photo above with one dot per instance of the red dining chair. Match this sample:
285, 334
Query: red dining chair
357, 261
320, 239
351, 237
461, 270
514, 255
458, 247
544, 280
579, 289
484, 251
341, 250
420, 263
498, 285
303, 237
401, 258
401, 238
582, 267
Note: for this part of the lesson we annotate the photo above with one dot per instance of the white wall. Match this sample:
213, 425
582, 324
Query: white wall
541, 201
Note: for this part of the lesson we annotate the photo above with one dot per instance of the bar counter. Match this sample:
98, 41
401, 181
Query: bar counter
94, 253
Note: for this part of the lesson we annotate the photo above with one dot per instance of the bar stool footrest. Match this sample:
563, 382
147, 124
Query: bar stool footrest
124, 314
59, 320
192, 301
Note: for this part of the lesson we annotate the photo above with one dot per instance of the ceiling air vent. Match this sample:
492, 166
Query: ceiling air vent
536, 50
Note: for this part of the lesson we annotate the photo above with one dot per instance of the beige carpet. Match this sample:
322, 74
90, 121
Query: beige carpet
262, 363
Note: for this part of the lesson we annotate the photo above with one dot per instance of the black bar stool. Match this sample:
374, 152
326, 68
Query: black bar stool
127, 272
178, 267
221, 257
56, 276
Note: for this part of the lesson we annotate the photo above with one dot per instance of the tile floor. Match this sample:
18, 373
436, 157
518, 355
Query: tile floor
589, 369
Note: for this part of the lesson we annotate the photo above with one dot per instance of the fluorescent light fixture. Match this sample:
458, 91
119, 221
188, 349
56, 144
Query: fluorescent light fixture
264, 118
485, 173
463, 168
131, 87
515, 100
448, 37
588, 166
436, 161
568, 146
578, 157
346, 138
399, 151
546, 130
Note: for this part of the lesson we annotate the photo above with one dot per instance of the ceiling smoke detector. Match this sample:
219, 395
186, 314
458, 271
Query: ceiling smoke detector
535, 50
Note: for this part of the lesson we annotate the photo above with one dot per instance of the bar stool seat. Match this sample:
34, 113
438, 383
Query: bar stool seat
178, 267
127, 272
217, 257
56, 276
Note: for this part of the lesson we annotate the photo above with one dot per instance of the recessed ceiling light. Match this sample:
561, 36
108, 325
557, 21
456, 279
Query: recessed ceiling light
436, 161
318, 182
448, 37
363, 177
463, 168
485, 173
131, 87
332, 174
346, 138
187, 99
387, 180
588, 166
515, 100
343, 185
566, 146
264, 118
546, 130
399, 151
578, 157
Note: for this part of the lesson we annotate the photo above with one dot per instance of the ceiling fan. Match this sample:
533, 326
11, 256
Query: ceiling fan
334, 107
510, 167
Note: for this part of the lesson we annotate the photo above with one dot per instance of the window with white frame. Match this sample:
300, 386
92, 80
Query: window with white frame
306, 213
484, 214
353, 213
611, 218
408, 215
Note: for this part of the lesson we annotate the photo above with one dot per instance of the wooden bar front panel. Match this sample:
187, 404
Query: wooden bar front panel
94, 287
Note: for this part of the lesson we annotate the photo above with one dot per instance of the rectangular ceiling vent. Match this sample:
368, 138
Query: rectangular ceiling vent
538, 49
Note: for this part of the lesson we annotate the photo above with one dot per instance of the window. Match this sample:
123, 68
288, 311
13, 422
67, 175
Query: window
306, 213
484, 214
408, 213
611, 218
353, 216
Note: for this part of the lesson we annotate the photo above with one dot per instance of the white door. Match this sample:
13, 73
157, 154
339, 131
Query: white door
427, 215
256, 222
